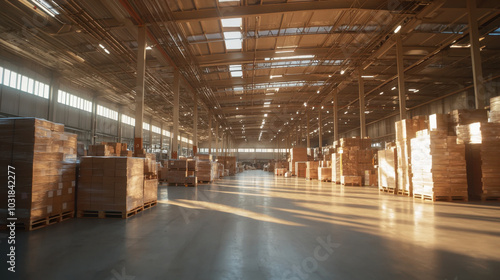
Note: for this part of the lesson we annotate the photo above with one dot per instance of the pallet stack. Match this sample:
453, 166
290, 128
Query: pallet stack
483, 159
405, 131
300, 169
109, 149
495, 109
353, 158
387, 168
297, 155
206, 171
111, 187
438, 166
312, 170
229, 163
43, 160
280, 171
178, 173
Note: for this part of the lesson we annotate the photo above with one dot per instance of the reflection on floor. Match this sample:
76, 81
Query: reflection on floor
257, 226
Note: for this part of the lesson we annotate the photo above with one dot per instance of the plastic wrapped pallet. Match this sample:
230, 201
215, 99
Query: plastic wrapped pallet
300, 168
205, 170
229, 164
439, 167
387, 166
43, 158
297, 155
110, 184
150, 190
495, 109
325, 174
405, 131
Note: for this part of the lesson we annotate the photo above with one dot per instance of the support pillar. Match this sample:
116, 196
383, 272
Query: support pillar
320, 131
53, 96
139, 90
119, 126
308, 132
161, 141
477, 70
362, 126
93, 120
401, 77
217, 140
195, 125
210, 135
150, 134
336, 115
176, 89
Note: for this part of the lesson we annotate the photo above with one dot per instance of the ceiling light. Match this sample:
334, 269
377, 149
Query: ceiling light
46, 7
367, 77
313, 108
297, 112
381, 93
265, 115
397, 29
328, 112
317, 91
275, 76
305, 104
460, 46
342, 72
394, 88
322, 107
413, 90
231, 22
329, 76
367, 112
237, 108
291, 57
149, 48
285, 51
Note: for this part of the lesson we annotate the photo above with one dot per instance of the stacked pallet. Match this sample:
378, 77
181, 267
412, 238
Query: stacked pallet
438, 166
325, 174
483, 159
179, 173
150, 166
353, 158
207, 173
280, 171
109, 149
300, 169
42, 171
405, 131
229, 163
297, 155
387, 166
111, 187
495, 109
312, 170
466, 117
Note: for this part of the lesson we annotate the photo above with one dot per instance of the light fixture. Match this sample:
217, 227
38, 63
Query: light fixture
394, 88
237, 108
381, 93
397, 29
305, 104
342, 72
265, 115
367, 76
322, 107
460, 46
275, 76
149, 48
317, 91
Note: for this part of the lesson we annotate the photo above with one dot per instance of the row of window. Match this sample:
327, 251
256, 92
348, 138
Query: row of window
12, 79
205, 150
74, 101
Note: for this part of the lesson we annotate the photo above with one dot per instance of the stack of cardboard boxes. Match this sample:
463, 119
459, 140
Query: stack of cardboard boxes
438, 162
42, 160
296, 155
312, 170
109, 149
405, 131
387, 168
353, 158
495, 109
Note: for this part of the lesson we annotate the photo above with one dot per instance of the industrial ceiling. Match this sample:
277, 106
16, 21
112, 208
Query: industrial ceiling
257, 67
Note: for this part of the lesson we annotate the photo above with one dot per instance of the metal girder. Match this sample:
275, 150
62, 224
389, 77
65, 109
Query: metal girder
268, 9
266, 79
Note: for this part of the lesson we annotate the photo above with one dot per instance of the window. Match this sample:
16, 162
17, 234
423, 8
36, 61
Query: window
166, 133
105, 112
1, 75
156, 129
128, 120
65, 98
145, 126
191, 142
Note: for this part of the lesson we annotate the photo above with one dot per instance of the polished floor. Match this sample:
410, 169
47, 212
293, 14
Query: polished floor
257, 226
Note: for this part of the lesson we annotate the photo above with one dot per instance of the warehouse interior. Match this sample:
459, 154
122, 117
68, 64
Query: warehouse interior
250, 139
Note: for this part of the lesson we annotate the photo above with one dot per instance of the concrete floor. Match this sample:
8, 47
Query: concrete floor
257, 226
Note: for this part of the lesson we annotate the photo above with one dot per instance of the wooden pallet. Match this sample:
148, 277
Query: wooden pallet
41, 223
205, 182
353, 184
441, 197
326, 180
388, 190
150, 204
109, 214
177, 169
404, 192
490, 198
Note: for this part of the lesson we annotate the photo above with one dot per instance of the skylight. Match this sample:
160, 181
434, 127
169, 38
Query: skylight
46, 7
234, 67
232, 35
231, 22
233, 44
291, 57
237, 74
